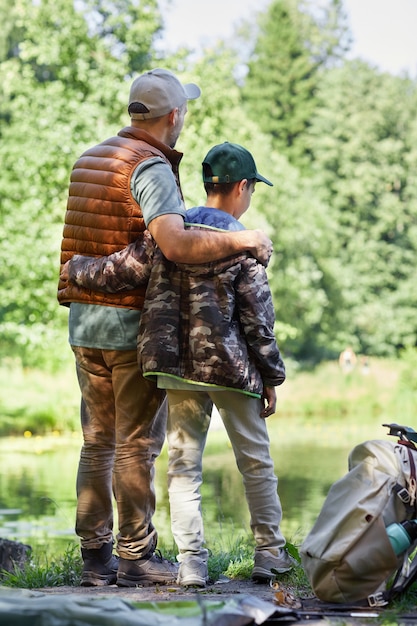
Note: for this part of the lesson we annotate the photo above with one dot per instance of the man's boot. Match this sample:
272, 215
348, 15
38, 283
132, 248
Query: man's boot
100, 566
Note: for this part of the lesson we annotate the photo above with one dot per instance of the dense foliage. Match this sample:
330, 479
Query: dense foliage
337, 137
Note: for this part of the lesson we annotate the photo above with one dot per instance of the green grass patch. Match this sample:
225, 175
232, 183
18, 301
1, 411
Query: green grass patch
65, 570
36, 401
43, 571
40, 401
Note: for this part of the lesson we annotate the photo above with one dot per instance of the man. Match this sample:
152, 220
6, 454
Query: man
118, 188
207, 334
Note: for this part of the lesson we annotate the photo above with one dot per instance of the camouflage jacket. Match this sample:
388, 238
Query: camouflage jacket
210, 323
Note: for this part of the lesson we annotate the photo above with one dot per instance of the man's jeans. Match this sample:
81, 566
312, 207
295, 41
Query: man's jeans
123, 418
188, 422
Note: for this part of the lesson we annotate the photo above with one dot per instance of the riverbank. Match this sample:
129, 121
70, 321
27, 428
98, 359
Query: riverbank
325, 405
225, 603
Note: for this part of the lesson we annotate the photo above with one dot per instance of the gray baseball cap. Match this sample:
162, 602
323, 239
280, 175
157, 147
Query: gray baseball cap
158, 92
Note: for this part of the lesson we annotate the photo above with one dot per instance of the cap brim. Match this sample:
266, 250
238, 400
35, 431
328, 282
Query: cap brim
192, 91
261, 179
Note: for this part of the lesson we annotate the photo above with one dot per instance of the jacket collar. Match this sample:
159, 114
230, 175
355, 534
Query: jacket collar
136, 133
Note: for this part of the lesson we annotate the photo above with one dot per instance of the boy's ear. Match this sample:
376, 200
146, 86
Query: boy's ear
242, 185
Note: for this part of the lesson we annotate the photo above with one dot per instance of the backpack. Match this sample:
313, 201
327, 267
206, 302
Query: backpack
348, 556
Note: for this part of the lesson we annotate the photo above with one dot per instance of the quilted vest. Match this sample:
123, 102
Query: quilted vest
102, 216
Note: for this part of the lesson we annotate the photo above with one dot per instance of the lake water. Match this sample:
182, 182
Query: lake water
37, 483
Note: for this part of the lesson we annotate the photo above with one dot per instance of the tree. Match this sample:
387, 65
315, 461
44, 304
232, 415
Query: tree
362, 140
336, 138
291, 213
65, 87
293, 45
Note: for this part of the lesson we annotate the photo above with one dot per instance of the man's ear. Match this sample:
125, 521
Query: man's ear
173, 116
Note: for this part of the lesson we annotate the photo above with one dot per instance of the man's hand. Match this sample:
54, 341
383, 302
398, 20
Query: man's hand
261, 246
203, 246
269, 399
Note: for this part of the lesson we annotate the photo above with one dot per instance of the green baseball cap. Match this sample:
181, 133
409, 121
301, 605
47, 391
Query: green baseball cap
229, 163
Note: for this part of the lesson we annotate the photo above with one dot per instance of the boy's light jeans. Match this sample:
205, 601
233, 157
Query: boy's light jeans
188, 422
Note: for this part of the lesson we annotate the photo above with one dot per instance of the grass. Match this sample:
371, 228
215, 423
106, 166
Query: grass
65, 570
42, 571
235, 563
39, 402
328, 394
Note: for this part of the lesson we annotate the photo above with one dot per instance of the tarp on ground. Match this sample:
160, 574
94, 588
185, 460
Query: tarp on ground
22, 607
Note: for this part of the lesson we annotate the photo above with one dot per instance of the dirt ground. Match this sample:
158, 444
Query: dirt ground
221, 589
288, 608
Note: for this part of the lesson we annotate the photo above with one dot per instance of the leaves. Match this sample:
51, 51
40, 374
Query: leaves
65, 87
337, 138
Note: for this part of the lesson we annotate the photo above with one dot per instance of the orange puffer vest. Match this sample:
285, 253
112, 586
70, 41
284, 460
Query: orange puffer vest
102, 216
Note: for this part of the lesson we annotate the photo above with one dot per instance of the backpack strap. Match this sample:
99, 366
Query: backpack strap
406, 575
412, 483
407, 498
407, 494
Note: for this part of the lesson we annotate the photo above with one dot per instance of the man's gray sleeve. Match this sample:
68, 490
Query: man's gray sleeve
154, 188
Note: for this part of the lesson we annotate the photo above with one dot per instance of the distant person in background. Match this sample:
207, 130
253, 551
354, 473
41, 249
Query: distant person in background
365, 365
347, 360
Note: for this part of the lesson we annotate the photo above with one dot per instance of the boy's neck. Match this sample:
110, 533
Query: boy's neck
222, 203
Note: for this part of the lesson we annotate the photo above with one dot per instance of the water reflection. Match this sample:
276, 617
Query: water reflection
37, 490
37, 486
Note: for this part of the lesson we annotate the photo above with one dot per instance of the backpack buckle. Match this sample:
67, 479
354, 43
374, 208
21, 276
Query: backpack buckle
404, 495
377, 599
